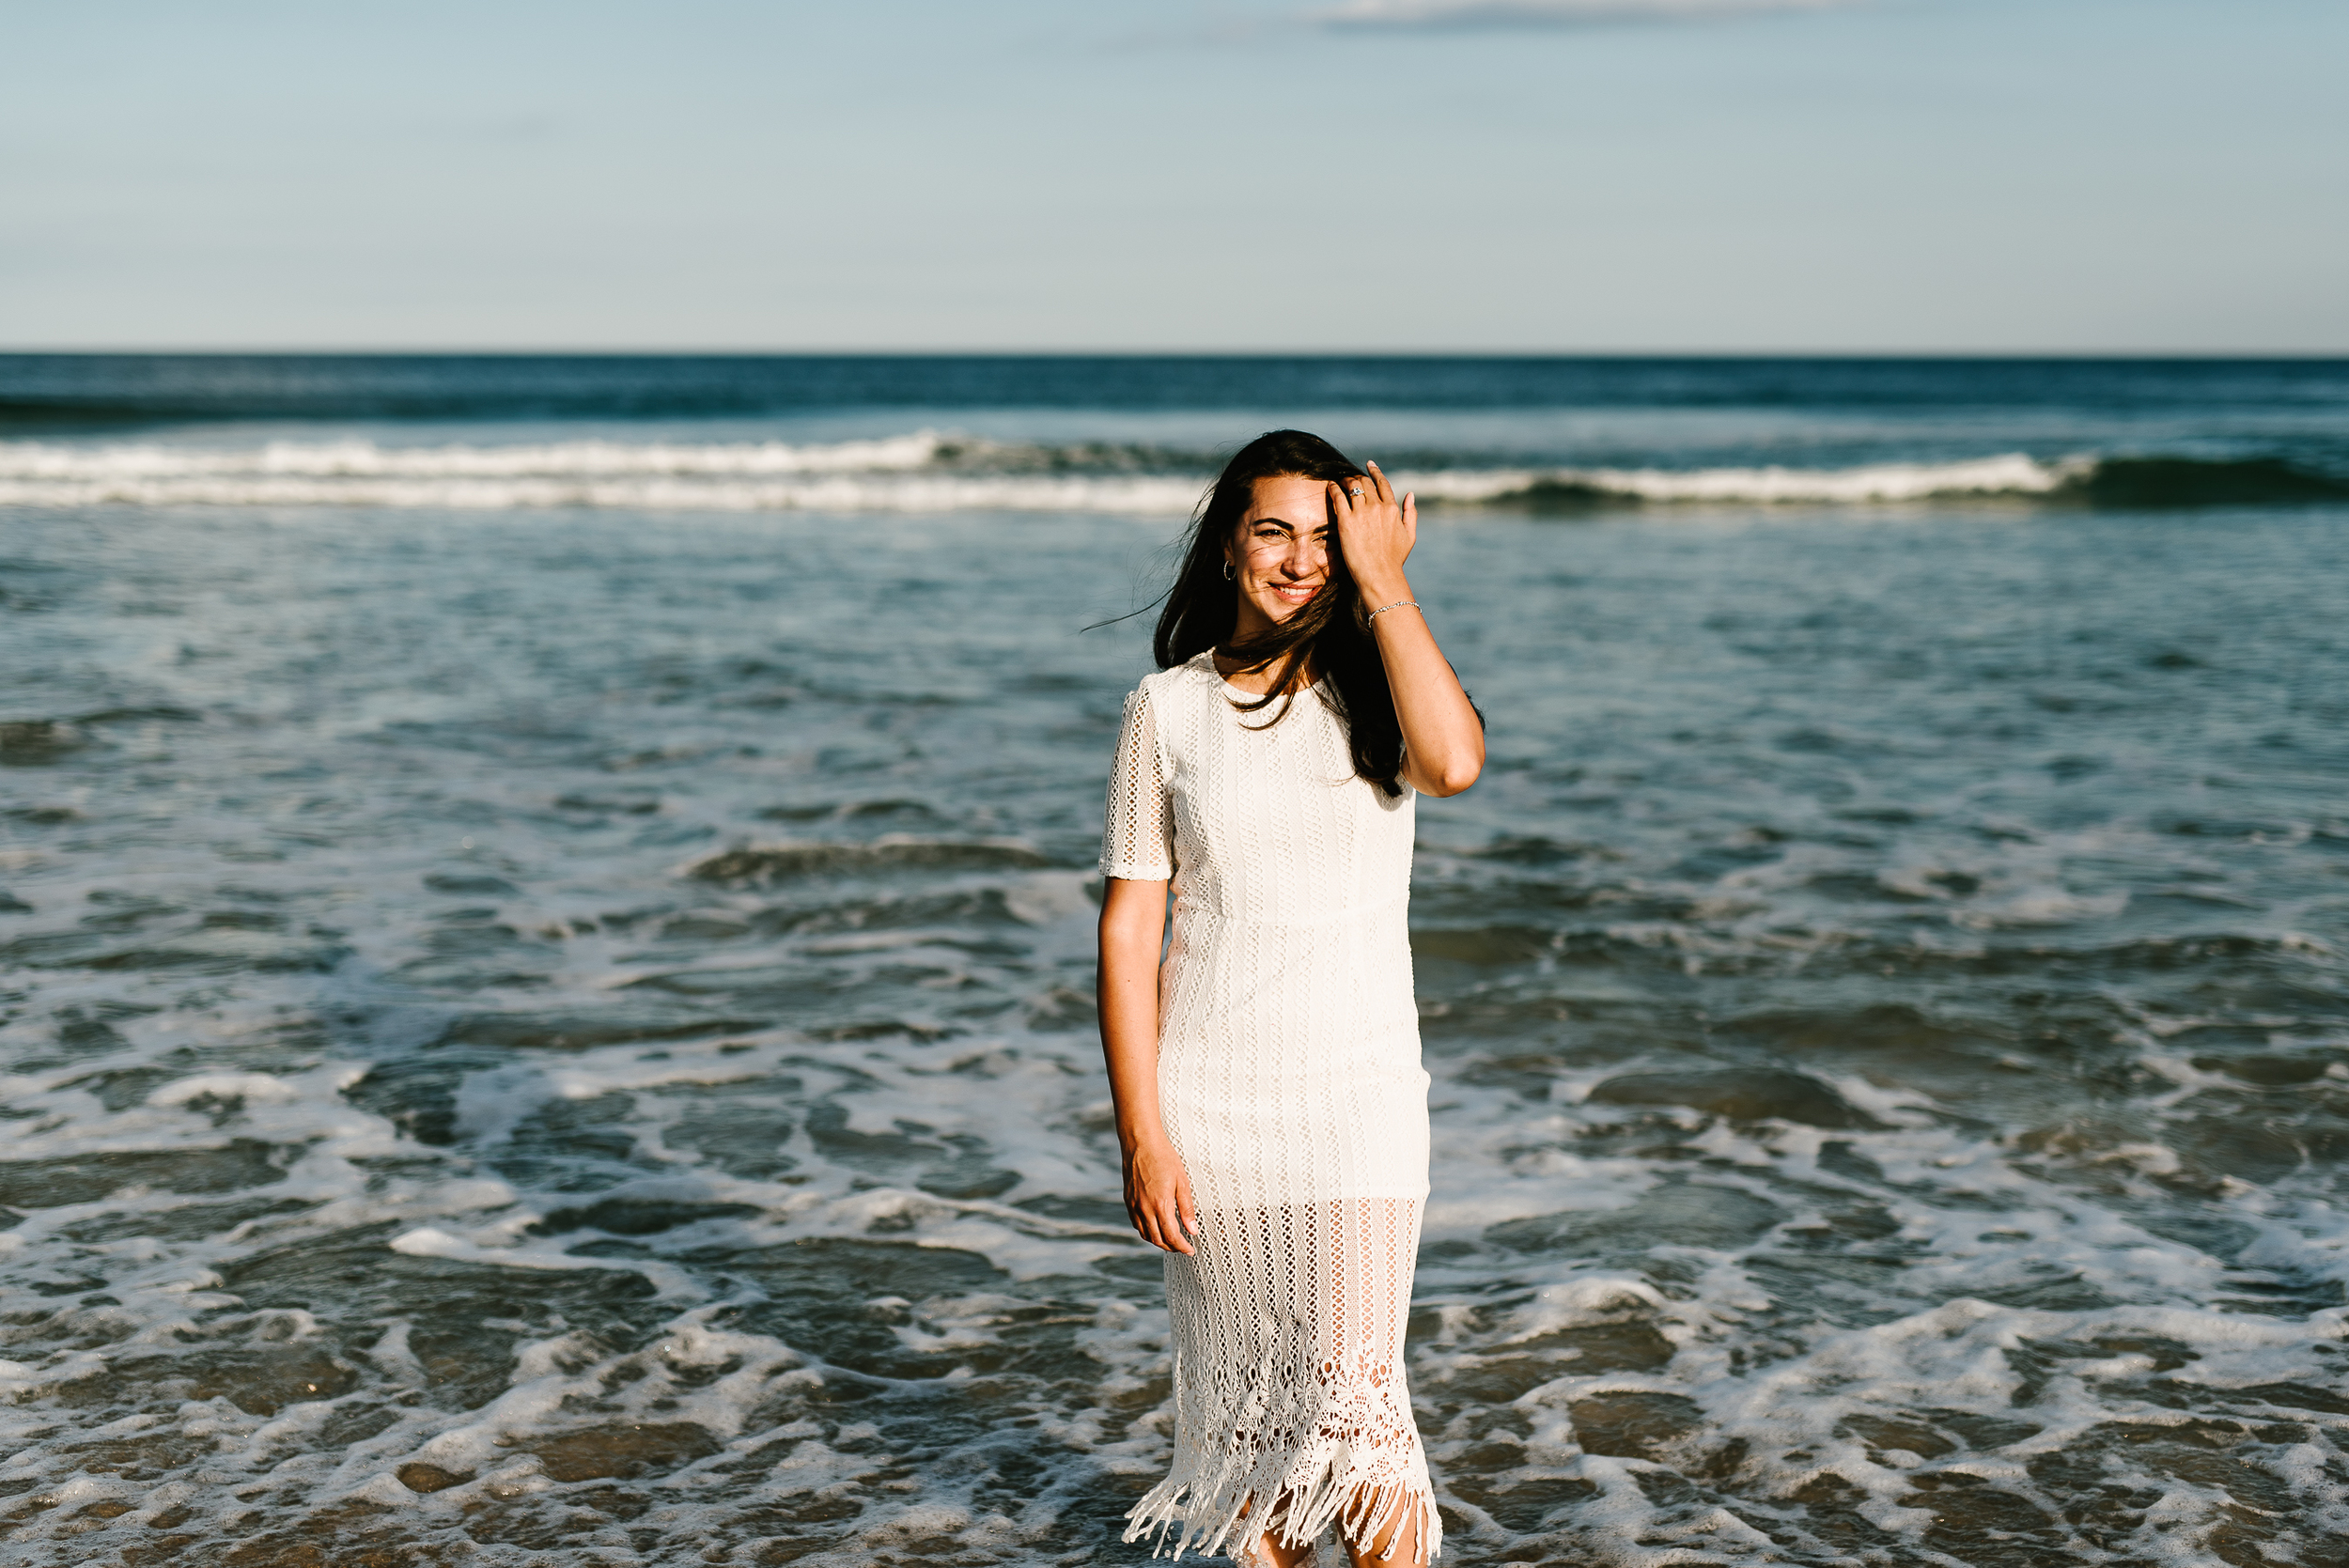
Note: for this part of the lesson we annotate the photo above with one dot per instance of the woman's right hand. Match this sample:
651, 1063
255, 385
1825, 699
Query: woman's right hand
1158, 1195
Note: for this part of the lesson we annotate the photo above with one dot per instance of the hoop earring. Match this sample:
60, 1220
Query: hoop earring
1227, 570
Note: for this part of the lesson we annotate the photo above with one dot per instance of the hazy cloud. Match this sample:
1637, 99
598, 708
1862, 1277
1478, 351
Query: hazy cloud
1461, 14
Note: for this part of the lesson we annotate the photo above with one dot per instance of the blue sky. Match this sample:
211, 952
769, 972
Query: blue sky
1507, 175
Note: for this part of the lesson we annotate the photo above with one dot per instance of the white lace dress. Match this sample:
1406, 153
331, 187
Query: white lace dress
1290, 1081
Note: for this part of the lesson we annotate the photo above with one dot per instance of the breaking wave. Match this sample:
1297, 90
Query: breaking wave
929, 471
2100, 482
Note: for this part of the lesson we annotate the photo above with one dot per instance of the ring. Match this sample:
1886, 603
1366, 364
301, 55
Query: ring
1356, 492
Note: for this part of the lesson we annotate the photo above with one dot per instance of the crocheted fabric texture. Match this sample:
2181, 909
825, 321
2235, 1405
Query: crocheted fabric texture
1290, 1083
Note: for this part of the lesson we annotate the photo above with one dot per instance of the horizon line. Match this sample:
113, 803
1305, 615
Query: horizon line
449, 353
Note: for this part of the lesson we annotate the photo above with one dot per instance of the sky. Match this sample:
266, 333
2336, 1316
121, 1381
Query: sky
1515, 176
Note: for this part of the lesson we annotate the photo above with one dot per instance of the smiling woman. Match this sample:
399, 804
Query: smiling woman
1271, 1107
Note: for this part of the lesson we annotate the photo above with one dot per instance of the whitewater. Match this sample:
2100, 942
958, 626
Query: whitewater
918, 472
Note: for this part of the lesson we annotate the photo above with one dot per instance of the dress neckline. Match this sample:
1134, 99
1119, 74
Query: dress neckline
1206, 661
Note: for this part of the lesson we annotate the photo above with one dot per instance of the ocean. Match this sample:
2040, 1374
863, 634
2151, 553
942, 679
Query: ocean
546, 944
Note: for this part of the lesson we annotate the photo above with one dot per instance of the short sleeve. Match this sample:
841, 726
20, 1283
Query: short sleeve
1137, 830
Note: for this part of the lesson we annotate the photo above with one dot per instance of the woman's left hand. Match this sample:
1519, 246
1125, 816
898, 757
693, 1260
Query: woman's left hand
1443, 739
1376, 532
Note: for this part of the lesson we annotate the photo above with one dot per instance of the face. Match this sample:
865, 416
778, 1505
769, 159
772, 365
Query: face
1280, 553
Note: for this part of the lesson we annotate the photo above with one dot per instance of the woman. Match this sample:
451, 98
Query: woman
1270, 1103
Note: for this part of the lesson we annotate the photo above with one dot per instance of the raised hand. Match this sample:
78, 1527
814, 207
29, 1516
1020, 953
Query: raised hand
1443, 740
1376, 532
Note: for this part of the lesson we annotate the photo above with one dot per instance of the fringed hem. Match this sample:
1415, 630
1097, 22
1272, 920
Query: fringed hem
1217, 1510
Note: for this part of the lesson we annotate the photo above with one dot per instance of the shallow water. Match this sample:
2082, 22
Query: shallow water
562, 1037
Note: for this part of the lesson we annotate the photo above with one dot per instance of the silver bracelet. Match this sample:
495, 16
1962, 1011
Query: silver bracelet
1396, 605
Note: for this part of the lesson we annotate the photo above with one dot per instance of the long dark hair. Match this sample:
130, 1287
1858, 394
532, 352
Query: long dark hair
1330, 631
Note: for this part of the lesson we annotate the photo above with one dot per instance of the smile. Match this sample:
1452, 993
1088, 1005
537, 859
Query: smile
1293, 593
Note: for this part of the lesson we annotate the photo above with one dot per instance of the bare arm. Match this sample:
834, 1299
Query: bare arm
1443, 744
1158, 1190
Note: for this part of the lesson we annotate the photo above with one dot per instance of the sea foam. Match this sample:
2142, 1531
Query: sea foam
590, 1046
922, 471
